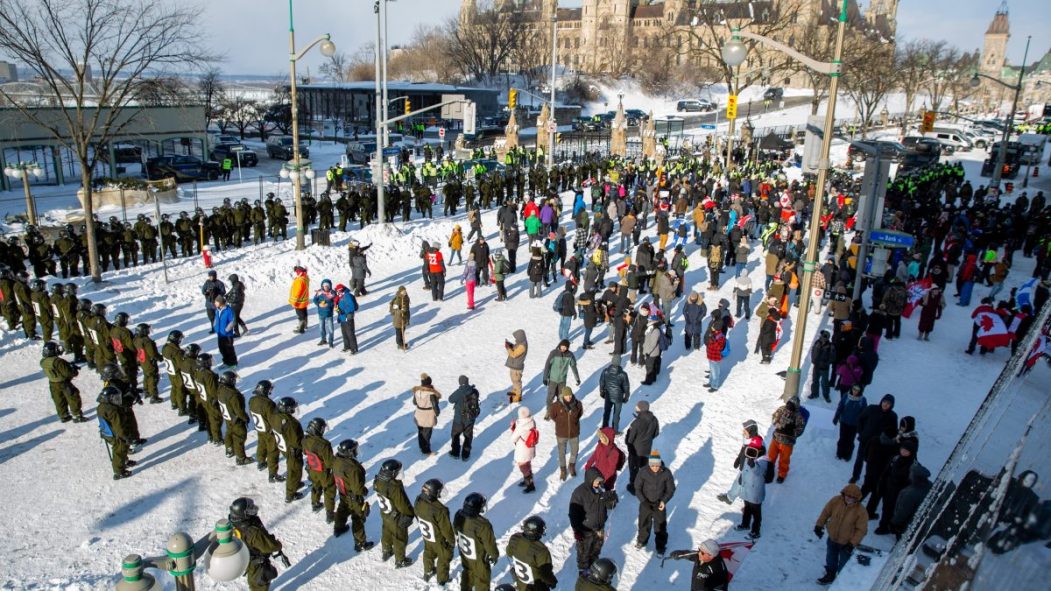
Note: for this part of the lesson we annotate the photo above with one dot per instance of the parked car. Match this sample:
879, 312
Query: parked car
774, 93
635, 116
127, 154
182, 168
247, 156
585, 124
887, 149
695, 106
361, 152
953, 139
1012, 160
925, 144
280, 147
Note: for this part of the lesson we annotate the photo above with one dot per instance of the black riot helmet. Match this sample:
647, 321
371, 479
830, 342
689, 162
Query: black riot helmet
263, 388
317, 427
84, 305
432, 489
533, 527
111, 395
51, 349
602, 571
142, 330
287, 405
204, 360
71, 289
121, 319
228, 378
348, 448
38, 285
474, 504
111, 371
390, 469
99, 310
243, 509
192, 350
57, 289
175, 337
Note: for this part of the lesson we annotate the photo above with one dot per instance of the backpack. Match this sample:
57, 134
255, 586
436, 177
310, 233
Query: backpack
664, 340
557, 305
532, 438
803, 412
471, 407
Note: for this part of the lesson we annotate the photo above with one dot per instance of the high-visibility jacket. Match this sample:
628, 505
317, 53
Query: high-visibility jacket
298, 296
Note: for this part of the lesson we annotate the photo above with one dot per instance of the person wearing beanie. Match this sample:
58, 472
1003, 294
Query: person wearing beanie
639, 439
848, 412
466, 408
524, 437
212, 288
566, 306
607, 457
847, 523
654, 488
556, 373
425, 398
516, 356
614, 388
709, 568
325, 300
750, 486
788, 423
693, 313
298, 297
566, 415
894, 479
873, 420
750, 433
399, 309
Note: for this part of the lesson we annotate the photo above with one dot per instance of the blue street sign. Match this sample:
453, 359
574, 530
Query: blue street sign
891, 238
707, 126
391, 151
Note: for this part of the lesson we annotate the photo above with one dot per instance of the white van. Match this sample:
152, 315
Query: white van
1034, 144
954, 139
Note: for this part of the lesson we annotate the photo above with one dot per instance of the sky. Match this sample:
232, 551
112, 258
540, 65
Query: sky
258, 44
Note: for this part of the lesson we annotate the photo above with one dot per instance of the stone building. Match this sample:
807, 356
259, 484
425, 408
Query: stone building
1036, 85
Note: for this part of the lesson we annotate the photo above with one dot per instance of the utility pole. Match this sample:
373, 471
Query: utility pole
377, 171
553, 122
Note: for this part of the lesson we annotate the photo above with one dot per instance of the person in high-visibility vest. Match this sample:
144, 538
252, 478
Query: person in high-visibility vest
299, 297
228, 165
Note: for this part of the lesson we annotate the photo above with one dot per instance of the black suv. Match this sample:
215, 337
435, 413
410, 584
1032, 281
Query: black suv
182, 168
774, 93
222, 151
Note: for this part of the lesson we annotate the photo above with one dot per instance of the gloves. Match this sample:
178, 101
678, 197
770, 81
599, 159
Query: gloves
545, 381
284, 559
835, 421
578, 382
818, 532
849, 547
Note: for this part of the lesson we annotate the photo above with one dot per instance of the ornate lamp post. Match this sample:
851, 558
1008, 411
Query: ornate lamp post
25, 170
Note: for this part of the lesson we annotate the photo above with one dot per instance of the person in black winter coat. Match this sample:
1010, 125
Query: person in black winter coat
873, 421
614, 388
639, 439
910, 498
589, 508
639, 323
894, 479
211, 289
693, 314
654, 488
465, 404
822, 354
768, 335
750, 432
589, 313
869, 360
709, 569
235, 298
881, 451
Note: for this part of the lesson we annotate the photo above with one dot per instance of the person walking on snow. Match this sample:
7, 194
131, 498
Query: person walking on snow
225, 327
848, 412
298, 297
607, 458
465, 412
556, 373
614, 388
847, 523
566, 415
654, 487
750, 486
469, 279
516, 356
524, 436
325, 300
788, 424
425, 398
346, 306
399, 317
639, 439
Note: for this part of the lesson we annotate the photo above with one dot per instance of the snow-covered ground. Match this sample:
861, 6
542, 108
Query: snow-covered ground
68, 524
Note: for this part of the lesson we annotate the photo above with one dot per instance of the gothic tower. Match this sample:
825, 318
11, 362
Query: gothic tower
994, 53
884, 15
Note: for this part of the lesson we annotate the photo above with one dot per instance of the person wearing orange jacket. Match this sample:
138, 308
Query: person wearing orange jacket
299, 297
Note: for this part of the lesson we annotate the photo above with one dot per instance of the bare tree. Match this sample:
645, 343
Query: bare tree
818, 40
335, 68
416, 60
870, 74
949, 71
241, 113
93, 57
211, 93
362, 65
484, 46
162, 92
912, 62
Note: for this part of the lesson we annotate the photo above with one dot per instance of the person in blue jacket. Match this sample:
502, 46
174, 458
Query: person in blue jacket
325, 300
346, 306
225, 329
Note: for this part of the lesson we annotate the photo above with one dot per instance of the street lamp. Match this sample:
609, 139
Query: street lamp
25, 170
328, 49
225, 559
734, 54
1001, 154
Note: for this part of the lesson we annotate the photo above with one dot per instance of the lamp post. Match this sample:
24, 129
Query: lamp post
1001, 154
734, 53
328, 49
377, 171
553, 122
25, 170
225, 559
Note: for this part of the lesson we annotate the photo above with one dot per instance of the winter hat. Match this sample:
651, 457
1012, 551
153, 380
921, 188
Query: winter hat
341, 287
615, 360
327, 282
464, 381
642, 405
888, 398
566, 391
523, 412
655, 458
750, 427
907, 424
425, 380
710, 547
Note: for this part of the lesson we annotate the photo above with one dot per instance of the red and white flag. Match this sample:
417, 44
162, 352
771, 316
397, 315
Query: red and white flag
733, 554
915, 290
1041, 347
992, 332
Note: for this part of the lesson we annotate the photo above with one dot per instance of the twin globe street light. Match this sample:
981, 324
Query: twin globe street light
225, 559
25, 170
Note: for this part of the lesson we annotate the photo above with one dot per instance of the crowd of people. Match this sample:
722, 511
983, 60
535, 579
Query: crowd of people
655, 218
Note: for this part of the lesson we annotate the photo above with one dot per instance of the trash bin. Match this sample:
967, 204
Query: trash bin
320, 237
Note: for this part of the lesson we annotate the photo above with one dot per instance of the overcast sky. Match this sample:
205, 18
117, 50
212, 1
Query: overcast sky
253, 34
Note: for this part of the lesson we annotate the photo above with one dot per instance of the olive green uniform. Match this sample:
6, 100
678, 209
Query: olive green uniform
41, 304
261, 545
187, 367
147, 357
438, 538
396, 514
349, 477
99, 328
25, 305
57, 301
232, 405
530, 564
288, 434
131, 421
318, 452
263, 410
84, 324
113, 426
75, 339
478, 551
60, 374
586, 585
208, 403
9, 303
172, 355
124, 350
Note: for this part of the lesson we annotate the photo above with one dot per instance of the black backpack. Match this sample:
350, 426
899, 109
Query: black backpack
471, 407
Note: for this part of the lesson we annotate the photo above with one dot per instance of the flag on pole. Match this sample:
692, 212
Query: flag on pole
1024, 295
1041, 347
733, 554
915, 291
992, 332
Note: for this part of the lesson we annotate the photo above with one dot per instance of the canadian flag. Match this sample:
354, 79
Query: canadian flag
916, 290
733, 554
1041, 347
992, 332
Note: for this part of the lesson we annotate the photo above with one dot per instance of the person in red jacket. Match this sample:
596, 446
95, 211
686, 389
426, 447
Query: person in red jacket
436, 269
607, 457
714, 345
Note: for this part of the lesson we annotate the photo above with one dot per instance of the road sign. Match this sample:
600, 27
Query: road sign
812, 144
391, 151
891, 238
707, 126
731, 106
441, 132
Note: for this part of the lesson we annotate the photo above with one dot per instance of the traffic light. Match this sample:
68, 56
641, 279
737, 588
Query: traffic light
512, 99
928, 122
408, 106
